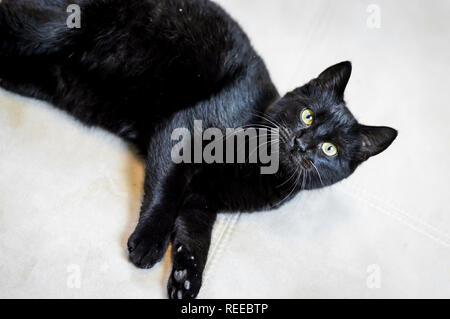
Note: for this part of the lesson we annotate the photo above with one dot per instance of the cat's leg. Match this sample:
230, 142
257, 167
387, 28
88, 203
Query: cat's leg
149, 241
29, 76
191, 241
164, 186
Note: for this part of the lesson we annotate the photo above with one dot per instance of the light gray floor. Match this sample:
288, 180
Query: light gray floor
385, 232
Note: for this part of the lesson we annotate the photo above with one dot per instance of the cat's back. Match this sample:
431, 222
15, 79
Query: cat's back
192, 39
160, 55
136, 61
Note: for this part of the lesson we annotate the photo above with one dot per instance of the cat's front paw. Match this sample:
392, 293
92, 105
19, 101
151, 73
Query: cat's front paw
145, 249
186, 278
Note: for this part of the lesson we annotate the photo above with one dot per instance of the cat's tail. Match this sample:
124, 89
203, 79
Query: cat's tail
32, 34
30, 27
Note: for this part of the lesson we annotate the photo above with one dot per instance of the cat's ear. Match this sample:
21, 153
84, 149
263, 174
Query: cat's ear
375, 139
336, 77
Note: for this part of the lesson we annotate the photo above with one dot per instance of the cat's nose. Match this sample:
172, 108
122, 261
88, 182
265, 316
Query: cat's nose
300, 145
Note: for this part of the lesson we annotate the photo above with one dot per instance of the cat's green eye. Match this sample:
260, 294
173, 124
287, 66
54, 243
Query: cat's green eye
329, 149
307, 116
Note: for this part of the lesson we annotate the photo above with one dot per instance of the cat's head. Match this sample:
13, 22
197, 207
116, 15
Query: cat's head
319, 136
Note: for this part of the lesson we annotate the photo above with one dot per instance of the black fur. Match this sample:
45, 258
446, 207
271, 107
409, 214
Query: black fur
142, 68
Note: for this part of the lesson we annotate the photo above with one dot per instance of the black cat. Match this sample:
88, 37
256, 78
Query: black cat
143, 68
